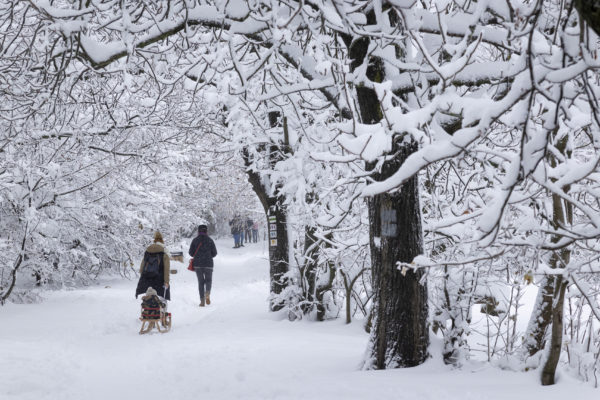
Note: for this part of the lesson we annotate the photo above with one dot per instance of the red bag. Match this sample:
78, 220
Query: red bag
191, 264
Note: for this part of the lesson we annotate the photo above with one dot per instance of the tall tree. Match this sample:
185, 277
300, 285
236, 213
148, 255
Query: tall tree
399, 336
273, 203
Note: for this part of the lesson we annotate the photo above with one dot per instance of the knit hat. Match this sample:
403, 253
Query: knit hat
203, 228
158, 237
149, 293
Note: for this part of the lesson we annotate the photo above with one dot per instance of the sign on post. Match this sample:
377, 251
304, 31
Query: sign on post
389, 226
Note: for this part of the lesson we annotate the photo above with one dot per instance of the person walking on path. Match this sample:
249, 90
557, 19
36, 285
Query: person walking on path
155, 269
235, 231
203, 250
248, 230
240, 225
255, 232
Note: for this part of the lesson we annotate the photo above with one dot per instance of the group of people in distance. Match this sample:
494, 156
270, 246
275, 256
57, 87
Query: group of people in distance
156, 277
243, 230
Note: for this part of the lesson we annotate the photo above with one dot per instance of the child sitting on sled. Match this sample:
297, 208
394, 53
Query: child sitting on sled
154, 309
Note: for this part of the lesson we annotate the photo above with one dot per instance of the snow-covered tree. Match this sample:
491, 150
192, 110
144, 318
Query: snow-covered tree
470, 128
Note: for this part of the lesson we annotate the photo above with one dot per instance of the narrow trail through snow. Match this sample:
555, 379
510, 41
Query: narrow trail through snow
84, 344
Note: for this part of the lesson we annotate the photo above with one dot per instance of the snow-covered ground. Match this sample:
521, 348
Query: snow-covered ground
84, 344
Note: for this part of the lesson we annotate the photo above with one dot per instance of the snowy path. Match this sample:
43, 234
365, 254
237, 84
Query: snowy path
83, 344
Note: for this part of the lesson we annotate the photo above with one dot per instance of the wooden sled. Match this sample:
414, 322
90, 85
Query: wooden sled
149, 324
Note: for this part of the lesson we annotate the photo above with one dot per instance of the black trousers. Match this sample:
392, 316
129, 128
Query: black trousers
204, 280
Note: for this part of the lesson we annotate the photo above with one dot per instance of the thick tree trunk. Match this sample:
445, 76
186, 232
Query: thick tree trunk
276, 217
399, 336
278, 250
278, 254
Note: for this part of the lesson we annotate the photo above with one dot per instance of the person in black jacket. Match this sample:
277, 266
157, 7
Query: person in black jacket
248, 230
203, 250
235, 230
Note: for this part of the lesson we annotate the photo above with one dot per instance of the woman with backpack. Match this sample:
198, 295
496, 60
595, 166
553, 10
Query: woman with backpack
203, 250
155, 269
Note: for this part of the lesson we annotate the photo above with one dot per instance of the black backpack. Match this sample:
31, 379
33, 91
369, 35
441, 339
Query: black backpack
152, 263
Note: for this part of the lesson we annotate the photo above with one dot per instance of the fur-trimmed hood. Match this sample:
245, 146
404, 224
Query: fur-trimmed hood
157, 248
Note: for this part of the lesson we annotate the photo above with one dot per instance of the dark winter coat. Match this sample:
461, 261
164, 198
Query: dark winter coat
158, 282
204, 249
151, 307
237, 226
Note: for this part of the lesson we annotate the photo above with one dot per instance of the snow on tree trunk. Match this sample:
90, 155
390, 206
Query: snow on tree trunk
559, 259
273, 205
309, 271
549, 370
399, 336
541, 317
278, 255
549, 304
4, 294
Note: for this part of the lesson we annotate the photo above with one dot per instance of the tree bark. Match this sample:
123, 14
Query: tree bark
311, 272
399, 337
322, 290
541, 318
13, 275
550, 302
589, 11
308, 272
558, 260
274, 209
278, 253
549, 370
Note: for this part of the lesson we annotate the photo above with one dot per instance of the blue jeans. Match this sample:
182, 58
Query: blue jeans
204, 280
236, 239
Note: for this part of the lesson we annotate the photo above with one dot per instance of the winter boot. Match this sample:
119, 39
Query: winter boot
202, 302
207, 298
